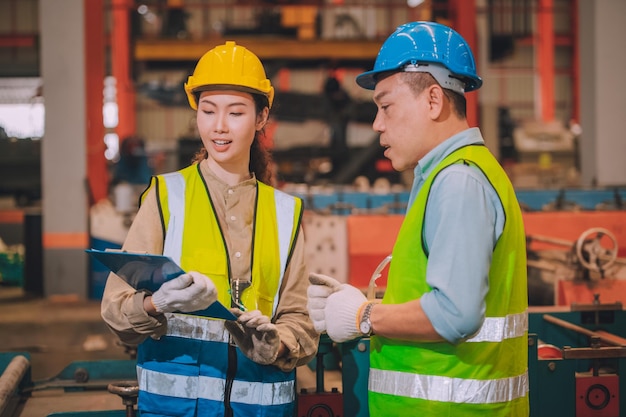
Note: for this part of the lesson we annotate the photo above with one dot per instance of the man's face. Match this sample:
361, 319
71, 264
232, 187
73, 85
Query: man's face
403, 122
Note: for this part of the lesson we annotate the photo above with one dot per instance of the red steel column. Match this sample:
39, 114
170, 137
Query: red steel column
97, 173
575, 62
545, 59
121, 68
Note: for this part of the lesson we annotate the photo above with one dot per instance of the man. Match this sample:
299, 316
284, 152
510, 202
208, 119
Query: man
450, 335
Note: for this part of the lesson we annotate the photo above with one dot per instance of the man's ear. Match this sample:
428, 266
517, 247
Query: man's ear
436, 100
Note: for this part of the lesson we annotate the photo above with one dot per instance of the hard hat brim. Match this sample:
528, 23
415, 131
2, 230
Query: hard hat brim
226, 87
191, 92
367, 79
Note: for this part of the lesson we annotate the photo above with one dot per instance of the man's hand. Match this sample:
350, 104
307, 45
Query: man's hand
256, 336
321, 288
334, 307
187, 293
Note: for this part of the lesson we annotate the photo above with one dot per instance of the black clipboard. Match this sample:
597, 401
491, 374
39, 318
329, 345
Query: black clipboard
145, 271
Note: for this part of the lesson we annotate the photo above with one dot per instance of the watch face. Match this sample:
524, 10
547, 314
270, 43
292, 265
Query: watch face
364, 327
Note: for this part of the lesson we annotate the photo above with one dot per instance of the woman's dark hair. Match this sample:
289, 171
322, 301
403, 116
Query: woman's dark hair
260, 157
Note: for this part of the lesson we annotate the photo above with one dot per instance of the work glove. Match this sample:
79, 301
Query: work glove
335, 307
256, 336
187, 293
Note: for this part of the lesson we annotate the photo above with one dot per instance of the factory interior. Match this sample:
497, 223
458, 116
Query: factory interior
92, 104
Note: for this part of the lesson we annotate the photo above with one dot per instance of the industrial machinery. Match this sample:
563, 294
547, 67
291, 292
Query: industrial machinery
321, 403
559, 269
103, 388
576, 360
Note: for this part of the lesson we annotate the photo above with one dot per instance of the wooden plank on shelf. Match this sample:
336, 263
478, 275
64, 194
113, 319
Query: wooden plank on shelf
264, 48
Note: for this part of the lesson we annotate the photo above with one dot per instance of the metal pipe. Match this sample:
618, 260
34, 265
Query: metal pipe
552, 240
10, 379
606, 338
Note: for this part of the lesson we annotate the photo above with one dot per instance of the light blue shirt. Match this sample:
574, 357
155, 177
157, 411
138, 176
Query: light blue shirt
464, 219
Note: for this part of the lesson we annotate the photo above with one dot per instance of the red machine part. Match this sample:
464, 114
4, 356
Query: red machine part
597, 396
547, 351
320, 404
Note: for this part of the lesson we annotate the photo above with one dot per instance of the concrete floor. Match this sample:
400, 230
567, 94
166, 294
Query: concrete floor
57, 331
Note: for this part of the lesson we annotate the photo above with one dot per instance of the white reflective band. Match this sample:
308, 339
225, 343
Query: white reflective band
285, 211
210, 388
249, 392
453, 390
173, 246
179, 386
194, 327
497, 329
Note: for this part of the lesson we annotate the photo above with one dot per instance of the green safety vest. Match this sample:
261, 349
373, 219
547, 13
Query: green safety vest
485, 375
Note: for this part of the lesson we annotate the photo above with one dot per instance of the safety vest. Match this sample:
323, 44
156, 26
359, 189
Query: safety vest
193, 369
485, 375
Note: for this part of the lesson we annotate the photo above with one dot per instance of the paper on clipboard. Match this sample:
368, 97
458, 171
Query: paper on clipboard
148, 272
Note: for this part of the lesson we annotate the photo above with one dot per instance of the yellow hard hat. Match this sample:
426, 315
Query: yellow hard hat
229, 66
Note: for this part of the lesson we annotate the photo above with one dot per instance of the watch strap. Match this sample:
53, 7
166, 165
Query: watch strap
367, 311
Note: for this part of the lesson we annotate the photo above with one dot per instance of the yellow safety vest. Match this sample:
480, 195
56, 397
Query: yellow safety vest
189, 371
485, 375
194, 239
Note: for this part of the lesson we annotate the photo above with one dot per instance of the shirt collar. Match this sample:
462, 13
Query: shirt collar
206, 170
426, 165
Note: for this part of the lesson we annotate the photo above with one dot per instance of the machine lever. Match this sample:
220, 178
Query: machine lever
602, 336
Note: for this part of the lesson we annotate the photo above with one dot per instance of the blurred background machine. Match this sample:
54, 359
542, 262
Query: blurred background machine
90, 388
562, 272
319, 402
577, 363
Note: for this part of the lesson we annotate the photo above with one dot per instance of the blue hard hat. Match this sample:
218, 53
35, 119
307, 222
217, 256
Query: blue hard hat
420, 45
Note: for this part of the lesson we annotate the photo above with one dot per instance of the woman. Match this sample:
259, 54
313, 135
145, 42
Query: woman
242, 241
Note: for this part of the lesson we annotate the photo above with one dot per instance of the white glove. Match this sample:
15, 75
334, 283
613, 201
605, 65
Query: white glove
334, 307
187, 293
256, 335
321, 288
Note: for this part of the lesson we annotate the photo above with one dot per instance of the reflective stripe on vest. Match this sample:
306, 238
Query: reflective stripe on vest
497, 329
176, 205
285, 211
454, 390
194, 327
209, 388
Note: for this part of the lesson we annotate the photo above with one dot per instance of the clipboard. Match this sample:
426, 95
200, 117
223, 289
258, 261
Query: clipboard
145, 271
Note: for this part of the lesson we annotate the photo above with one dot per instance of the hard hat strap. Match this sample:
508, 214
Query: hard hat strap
440, 73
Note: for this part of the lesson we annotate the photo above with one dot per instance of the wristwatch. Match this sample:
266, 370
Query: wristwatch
365, 326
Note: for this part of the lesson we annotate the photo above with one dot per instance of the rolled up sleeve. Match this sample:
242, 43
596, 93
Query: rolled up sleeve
122, 306
463, 222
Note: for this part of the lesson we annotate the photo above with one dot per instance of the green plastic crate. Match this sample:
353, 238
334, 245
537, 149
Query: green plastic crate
11, 269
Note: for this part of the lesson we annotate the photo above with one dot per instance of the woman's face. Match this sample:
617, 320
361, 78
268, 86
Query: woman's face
227, 122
